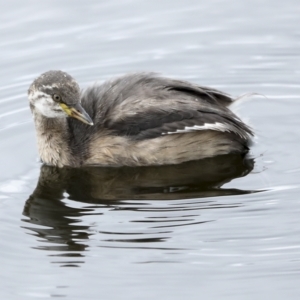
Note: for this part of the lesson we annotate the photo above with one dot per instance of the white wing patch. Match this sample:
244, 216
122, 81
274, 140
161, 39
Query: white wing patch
209, 126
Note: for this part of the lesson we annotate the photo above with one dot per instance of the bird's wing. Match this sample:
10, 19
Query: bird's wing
151, 118
144, 106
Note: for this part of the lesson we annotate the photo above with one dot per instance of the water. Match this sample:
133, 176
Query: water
229, 231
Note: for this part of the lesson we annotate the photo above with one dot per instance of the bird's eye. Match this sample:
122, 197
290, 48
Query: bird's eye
56, 97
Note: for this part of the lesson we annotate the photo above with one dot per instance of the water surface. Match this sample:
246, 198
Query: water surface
224, 228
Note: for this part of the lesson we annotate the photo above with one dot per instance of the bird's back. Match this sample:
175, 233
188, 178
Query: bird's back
145, 107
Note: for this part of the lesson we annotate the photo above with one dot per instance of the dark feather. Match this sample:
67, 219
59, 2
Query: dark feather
144, 106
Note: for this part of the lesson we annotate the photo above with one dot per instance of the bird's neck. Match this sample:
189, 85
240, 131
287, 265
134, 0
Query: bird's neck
53, 140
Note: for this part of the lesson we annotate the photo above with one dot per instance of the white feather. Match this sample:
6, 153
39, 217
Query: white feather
50, 86
45, 105
207, 126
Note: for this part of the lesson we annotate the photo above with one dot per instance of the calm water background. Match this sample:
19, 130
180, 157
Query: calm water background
153, 235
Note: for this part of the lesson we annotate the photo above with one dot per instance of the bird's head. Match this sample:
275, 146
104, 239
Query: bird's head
56, 94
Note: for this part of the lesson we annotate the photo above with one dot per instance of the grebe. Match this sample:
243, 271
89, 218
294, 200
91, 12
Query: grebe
139, 119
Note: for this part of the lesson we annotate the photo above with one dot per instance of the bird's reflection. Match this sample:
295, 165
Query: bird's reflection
59, 225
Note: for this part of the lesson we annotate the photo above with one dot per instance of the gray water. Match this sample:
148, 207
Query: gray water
222, 228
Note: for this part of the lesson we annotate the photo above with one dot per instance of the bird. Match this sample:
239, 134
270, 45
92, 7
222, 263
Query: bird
138, 119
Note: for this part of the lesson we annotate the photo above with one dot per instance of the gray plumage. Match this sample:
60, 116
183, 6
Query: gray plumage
138, 119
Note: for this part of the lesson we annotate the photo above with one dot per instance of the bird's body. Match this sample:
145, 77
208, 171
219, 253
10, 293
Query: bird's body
138, 119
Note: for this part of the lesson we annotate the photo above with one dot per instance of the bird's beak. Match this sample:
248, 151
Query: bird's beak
76, 111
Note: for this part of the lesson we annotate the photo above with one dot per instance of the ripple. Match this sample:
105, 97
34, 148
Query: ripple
164, 236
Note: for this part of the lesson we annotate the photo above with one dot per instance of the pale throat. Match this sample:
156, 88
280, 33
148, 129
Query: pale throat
52, 139
51, 128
